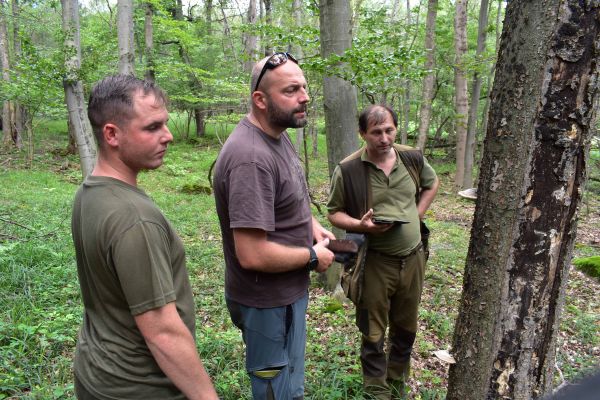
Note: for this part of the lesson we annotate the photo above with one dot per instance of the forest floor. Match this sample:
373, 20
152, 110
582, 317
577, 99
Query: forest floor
40, 307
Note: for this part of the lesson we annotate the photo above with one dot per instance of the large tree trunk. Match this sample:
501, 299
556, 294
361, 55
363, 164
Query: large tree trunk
339, 96
461, 103
429, 81
74, 96
532, 175
251, 40
475, 93
125, 37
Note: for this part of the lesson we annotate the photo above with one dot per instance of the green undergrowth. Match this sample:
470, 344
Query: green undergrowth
40, 306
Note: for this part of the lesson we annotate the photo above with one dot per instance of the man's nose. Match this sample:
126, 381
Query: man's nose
304, 97
167, 136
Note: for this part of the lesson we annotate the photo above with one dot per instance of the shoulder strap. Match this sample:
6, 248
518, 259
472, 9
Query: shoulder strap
357, 185
413, 161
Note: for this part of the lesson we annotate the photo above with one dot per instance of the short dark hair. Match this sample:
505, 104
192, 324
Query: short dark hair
375, 114
111, 99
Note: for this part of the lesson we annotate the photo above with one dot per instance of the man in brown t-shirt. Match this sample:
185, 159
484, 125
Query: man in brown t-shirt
137, 337
269, 234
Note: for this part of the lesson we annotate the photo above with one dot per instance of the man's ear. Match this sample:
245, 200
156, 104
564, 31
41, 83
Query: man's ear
259, 99
109, 131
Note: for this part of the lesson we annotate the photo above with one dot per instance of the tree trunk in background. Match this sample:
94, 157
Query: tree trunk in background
251, 40
475, 93
149, 41
532, 177
5, 62
490, 78
18, 117
461, 103
339, 96
208, 7
297, 51
429, 80
268, 20
74, 96
125, 37
406, 94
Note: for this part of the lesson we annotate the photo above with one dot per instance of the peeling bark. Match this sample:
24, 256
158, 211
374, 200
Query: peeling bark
533, 170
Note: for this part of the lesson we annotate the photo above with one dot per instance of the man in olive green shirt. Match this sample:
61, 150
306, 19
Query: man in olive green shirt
137, 337
395, 260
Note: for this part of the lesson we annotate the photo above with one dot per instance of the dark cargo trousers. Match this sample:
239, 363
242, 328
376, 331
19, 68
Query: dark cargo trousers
391, 295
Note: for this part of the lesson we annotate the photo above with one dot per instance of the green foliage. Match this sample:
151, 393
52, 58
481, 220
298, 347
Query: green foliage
589, 265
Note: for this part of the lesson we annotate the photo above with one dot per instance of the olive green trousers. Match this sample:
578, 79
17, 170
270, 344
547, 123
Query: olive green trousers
391, 296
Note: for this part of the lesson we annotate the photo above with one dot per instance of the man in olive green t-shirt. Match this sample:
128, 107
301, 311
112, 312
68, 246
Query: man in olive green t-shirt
395, 260
137, 337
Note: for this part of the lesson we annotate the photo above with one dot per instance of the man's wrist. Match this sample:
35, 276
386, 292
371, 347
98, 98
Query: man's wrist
313, 260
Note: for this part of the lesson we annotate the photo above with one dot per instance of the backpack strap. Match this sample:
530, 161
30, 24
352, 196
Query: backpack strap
413, 161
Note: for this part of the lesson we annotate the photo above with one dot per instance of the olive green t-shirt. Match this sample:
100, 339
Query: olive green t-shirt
129, 261
394, 199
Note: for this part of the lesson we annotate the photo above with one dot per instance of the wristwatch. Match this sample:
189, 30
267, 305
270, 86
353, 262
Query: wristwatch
313, 261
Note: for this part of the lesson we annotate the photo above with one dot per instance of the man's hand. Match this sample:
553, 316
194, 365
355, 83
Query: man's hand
325, 255
367, 225
320, 233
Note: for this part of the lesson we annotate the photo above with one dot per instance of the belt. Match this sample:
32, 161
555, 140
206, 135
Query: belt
397, 257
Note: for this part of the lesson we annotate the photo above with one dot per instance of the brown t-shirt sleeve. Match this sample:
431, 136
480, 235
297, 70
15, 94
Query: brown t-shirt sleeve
251, 197
142, 262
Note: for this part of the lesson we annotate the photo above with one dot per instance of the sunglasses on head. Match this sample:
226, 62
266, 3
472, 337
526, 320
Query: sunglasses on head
273, 62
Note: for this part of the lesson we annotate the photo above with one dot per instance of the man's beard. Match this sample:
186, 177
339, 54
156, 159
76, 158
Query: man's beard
285, 119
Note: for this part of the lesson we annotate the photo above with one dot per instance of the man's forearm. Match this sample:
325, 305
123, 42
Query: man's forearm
343, 221
426, 198
174, 349
256, 253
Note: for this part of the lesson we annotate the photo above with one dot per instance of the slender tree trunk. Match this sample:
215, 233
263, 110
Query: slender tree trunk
125, 37
251, 40
149, 41
297, 50
74, 96
407, 88
5, 62
475, 94
429, 81
313, 129
18, 118
461, 103
208, 10
268, 20
533, 172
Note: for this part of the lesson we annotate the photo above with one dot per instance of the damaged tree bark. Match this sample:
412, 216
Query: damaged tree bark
532, 177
